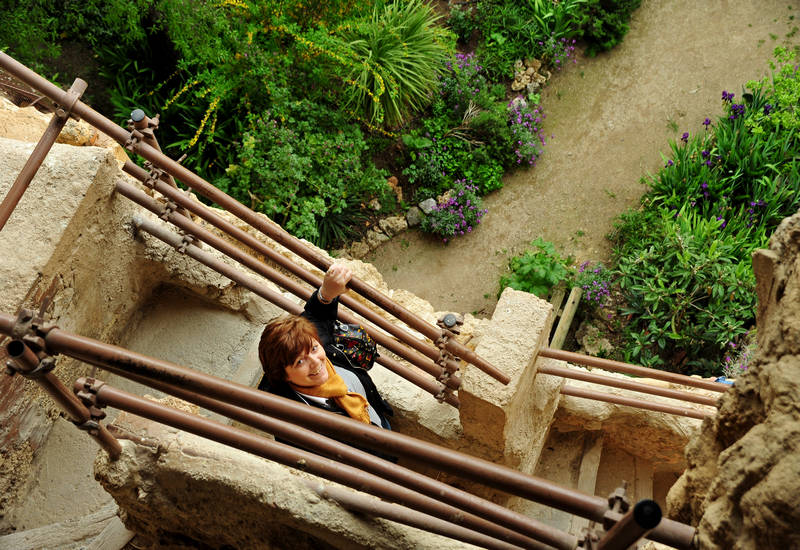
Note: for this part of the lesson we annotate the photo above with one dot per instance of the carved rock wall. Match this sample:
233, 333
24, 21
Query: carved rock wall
742, 485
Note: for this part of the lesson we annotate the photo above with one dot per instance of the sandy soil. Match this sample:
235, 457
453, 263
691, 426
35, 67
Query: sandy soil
609, 118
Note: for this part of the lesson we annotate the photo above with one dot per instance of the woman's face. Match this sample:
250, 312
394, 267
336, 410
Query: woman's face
308, 369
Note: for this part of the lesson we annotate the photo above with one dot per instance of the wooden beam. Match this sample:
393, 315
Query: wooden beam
566, 317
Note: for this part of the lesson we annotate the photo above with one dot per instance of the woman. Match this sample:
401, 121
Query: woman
301, 363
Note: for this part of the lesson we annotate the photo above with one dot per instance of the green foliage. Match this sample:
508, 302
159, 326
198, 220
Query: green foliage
607, 23
396, 58
462, 21
684, 259
29, 33
537, 270
518, 30
304, 170
690, 290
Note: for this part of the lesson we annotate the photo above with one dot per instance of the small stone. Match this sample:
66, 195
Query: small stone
393, 225
375, 238
593, 341
519, 102
359, 249
395, 186
374, 204
427, 206
414, 216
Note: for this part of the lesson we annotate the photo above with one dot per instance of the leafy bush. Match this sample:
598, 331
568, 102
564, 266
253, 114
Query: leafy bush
537, 270
690, 290
607, 23
304, 170
462, 22
518, 30
684, 259
458, 214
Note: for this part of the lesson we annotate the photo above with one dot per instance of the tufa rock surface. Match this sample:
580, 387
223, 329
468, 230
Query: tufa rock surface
742, 484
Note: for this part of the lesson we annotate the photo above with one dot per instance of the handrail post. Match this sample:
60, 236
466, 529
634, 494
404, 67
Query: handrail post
25, 362
51, 133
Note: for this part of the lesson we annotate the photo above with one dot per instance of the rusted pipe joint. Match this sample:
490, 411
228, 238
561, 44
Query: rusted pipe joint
26, 362
135, 138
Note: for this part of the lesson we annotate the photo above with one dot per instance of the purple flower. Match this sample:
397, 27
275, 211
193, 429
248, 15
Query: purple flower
705, 153
669, 163
704, 186
727, 96
706, 122
767, 109
685, 137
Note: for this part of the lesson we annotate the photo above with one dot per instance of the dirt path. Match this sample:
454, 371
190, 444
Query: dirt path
610, 120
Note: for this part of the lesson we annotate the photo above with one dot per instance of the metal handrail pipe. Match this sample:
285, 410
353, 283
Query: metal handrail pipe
626, 384
275, 232
619, 366
38, 155
26, 361
386, 441
259, 267
259, 288
358, 502
293, 457
352, 456
299, 271
637, 403
634, 525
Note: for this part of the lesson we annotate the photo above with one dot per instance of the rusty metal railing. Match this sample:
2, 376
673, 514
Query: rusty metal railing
55, 340
54, 127
245, 238
135, 141
98, 394
38, 366
619, 366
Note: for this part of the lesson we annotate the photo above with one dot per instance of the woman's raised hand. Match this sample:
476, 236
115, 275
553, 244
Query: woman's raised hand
335, 282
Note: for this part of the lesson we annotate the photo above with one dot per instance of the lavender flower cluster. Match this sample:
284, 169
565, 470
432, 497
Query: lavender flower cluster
525, 130
737, 360
595, 283
559, 51
461, 81
457, 215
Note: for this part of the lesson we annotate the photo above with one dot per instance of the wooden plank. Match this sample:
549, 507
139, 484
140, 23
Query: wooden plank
566, 317
556, 298
587, 475
114, 537
63, 534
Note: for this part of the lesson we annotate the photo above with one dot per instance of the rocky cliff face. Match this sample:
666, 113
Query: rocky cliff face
742, 486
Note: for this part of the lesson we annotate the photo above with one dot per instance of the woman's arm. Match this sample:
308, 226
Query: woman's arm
323, 306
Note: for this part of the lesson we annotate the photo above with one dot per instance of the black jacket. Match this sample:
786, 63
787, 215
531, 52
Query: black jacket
324, 317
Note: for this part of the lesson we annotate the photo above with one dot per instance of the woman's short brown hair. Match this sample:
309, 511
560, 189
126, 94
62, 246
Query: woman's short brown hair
284, 339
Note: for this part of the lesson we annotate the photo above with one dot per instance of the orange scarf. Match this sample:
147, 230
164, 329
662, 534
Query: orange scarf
354, 404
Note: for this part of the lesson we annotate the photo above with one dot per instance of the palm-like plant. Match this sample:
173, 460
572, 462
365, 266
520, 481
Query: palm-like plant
398, 54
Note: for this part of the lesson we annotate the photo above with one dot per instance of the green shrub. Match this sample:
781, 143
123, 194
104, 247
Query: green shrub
462, 22
684, 259
537, 270
607, 23
304, 170
690, 291
518, 30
